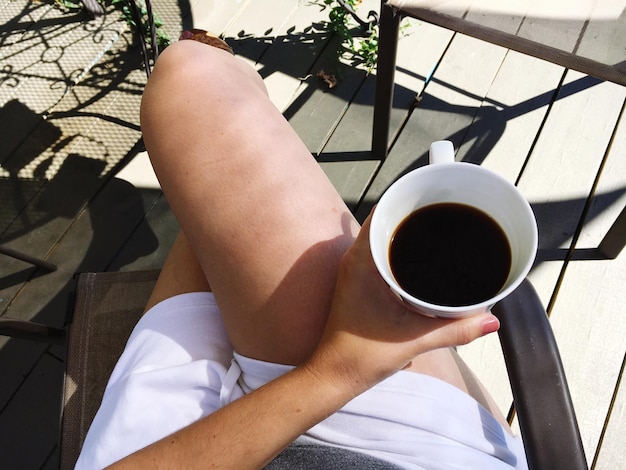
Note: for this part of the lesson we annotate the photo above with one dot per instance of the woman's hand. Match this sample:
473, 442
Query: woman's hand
371, 333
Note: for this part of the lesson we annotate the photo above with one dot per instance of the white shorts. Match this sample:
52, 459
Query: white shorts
179, 366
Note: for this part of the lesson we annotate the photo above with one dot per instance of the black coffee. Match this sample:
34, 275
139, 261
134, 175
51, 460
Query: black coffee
450, 254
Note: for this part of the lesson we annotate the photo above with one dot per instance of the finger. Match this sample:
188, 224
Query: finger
450, 333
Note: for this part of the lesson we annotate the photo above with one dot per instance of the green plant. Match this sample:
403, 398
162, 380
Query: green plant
69, 5
162, 38
124, 6
359, 38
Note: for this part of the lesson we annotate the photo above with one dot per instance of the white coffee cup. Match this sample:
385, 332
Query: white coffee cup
447, 181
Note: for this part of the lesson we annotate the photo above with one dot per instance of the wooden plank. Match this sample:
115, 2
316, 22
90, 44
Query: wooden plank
90, 243
138, 171
503, 132
160, 223
93, 241
446, 110
48, 217
52, 55
98, 129
584, 314
603, 41
293, 52
612, 454
14, 354
316, 109
544, 183
563, 165
454, 107
346, 156
213, 16
555, 32
29, 425
257, 27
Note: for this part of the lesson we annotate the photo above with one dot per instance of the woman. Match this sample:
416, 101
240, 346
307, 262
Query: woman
269, 332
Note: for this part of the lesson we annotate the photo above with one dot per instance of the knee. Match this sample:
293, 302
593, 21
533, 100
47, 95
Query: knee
191, 67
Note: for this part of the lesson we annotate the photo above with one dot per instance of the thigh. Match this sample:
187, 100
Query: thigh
181, 274
266, 225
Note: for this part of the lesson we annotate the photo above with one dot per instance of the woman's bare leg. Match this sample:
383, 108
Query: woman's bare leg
266, 225
181, 274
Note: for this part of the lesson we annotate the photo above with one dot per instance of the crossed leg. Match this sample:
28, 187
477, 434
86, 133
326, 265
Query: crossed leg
260, 220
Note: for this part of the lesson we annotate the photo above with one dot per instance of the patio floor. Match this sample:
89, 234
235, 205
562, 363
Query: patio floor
77, 190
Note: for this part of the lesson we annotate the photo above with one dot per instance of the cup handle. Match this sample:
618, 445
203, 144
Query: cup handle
441, 151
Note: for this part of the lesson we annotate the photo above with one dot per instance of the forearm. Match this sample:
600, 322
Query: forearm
251, 431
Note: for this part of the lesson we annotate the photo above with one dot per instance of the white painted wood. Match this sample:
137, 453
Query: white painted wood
139, 173
604, 42
565, 160
588, 318
555, 9
420, 48
315, 108
446, 110
501, 136
216, 15
297, 44
255, 29
34, 64
613, 452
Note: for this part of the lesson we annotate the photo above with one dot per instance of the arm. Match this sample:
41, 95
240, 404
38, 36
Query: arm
251, 431
370, 335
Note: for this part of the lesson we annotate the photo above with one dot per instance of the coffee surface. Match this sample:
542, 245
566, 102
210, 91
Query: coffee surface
450, 254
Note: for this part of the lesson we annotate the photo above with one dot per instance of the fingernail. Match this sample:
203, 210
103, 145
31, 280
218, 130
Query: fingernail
490, 325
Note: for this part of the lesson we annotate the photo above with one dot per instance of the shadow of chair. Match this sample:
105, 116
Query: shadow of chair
454, 16
14, 115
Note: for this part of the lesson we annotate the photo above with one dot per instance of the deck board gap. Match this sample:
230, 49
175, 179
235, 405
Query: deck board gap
553, 99
571, 251
608, 415
23, 381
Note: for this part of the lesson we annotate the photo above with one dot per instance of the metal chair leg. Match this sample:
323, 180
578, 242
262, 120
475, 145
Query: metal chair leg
27, 258
31, 331
615, 239
389, 26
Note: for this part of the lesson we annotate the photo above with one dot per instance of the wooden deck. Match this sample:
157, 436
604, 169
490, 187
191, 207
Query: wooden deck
76, 189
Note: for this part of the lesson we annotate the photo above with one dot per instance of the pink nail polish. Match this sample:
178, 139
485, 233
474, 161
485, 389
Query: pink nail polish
490, 325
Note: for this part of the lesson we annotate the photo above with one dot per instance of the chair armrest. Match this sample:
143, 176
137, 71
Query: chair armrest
540, 392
